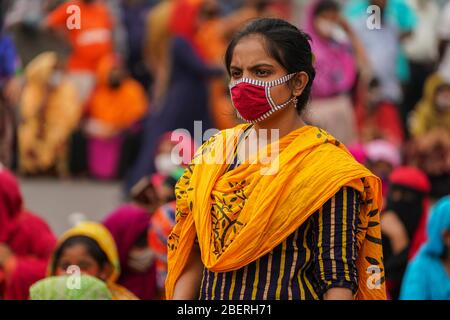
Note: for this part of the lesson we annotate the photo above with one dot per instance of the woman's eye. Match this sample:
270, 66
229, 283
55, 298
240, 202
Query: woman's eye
262, 73
236, 74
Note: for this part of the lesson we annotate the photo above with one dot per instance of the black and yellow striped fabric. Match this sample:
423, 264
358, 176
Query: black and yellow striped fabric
319, 255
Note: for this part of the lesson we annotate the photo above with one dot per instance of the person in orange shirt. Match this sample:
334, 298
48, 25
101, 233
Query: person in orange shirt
117, 103
88, 25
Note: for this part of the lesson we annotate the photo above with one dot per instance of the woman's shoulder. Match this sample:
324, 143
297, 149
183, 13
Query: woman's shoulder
30, 221
224, 134
423, 262
333, 150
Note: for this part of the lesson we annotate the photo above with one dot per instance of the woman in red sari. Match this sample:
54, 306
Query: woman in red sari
26, 242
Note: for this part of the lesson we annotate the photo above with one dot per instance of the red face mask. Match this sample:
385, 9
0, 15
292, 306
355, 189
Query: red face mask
252, 98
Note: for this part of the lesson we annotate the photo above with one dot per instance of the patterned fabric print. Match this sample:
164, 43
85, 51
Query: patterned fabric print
319, 255
369, 229
225, 217
172, 241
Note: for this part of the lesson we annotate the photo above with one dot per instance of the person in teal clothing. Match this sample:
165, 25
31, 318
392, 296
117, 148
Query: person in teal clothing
398, 21
427, 277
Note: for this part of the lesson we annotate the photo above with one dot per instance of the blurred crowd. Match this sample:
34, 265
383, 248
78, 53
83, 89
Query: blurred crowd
92, 88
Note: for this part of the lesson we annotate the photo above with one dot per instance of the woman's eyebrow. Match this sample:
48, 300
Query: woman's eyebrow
259, 65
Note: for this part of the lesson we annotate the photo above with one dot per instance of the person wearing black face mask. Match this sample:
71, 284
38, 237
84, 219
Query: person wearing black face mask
115, 78
403, 222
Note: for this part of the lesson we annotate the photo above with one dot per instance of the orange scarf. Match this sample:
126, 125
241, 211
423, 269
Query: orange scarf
241, 215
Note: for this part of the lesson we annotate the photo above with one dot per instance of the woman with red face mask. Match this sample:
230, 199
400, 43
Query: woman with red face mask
274, 208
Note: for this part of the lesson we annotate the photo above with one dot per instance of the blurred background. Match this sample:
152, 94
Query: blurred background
89, 95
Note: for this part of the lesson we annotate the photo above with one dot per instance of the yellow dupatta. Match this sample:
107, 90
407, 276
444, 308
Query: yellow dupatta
240, 215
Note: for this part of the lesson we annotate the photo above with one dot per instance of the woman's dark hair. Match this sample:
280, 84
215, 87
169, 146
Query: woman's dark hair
286, 44
91, 246
326, 5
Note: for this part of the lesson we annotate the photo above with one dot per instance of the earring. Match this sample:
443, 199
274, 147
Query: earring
295, 101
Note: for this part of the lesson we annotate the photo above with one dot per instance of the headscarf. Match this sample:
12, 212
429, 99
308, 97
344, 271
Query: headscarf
29, 238
261, 206
10, 202
426, 277
438, 222
382, 150
126, 225
58, 288
414, 179
105, 241
183, 21
411, 177
358, 152
331, 78
425, 115
40, 68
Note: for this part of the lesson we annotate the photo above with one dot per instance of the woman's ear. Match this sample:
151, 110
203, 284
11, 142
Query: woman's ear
299, 82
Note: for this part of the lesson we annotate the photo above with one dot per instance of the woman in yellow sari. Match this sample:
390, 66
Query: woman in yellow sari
50, 111
297, 218
90, 247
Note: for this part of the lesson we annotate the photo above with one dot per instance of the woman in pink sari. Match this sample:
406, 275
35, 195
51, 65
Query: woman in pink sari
26, 242
337, 52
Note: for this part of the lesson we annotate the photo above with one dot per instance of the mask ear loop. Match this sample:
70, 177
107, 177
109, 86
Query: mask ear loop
275, 83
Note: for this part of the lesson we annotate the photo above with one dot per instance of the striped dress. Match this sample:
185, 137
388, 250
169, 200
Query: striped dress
321, 254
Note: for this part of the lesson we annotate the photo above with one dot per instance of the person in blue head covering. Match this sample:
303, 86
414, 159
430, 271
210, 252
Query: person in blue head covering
428, 275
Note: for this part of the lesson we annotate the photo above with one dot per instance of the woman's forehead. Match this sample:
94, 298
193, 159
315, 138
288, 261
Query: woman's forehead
75, 249
251, 51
